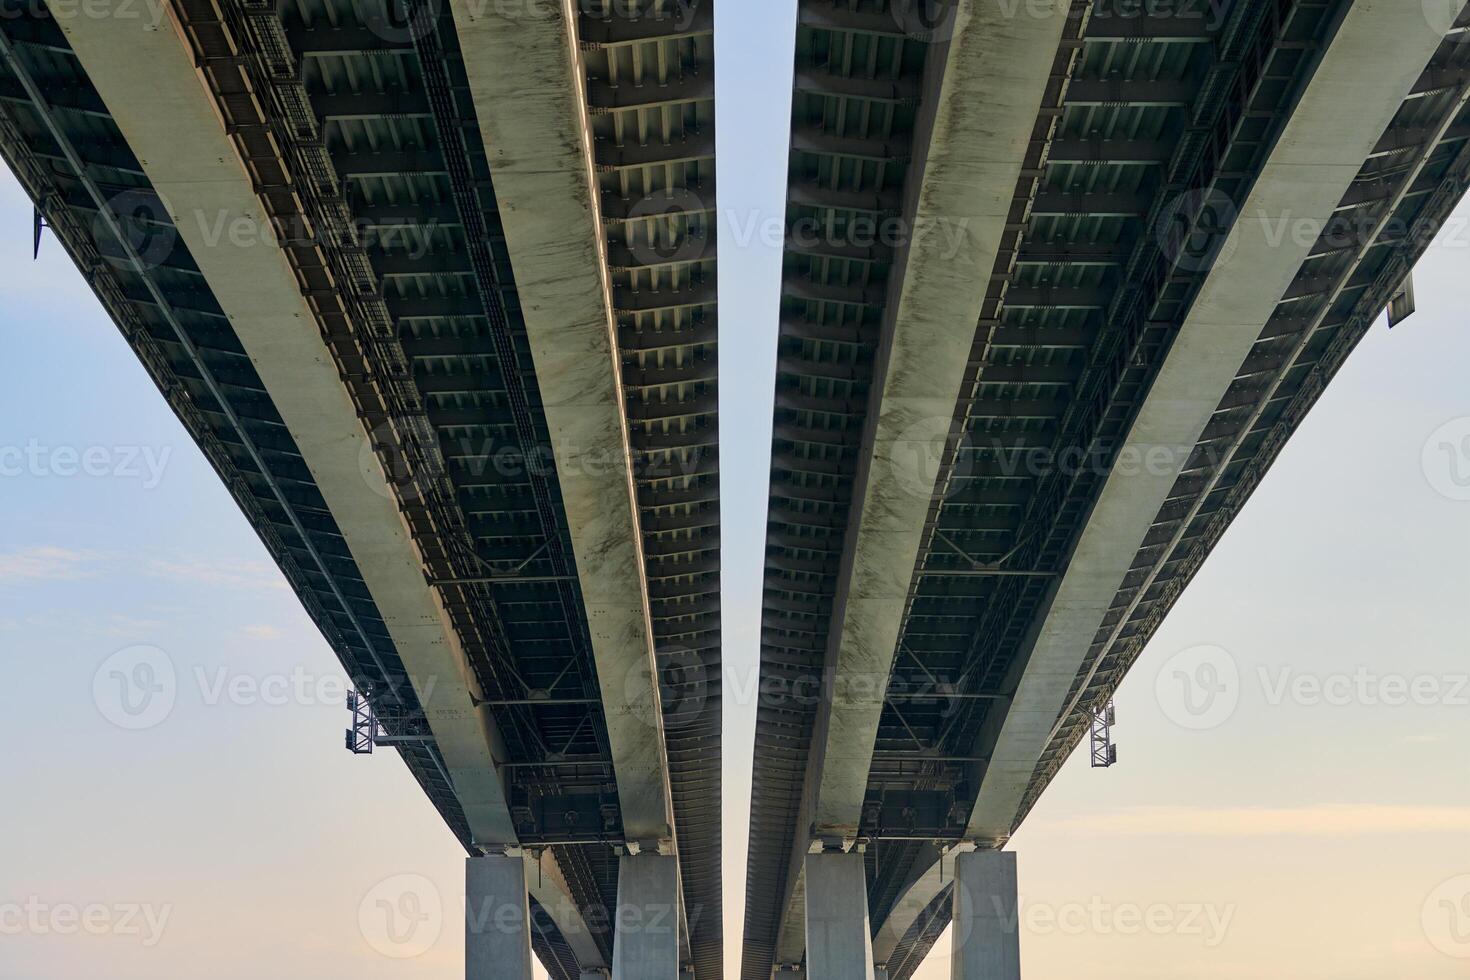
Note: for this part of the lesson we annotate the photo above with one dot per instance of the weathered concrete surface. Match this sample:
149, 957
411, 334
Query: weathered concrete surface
646, 946
497, 935
915, 897
838, 938
985, 938
1366, 73
146, 76
548, 886
982, 94
528, 92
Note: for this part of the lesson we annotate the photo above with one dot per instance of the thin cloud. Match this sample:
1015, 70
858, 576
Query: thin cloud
236, 574
45, 563
130, 627
1329, 820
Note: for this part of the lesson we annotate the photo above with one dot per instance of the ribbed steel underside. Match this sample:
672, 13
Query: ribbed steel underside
651, 93
396, 235
1142, 114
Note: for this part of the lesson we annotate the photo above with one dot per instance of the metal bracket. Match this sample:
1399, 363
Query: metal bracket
1104, 752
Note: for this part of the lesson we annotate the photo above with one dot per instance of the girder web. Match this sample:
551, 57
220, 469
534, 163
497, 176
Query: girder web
484, 538
1152, 129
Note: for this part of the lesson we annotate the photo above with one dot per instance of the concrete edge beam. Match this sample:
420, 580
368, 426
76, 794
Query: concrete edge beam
982, 95
548, 886
914, 898
1366, 73
146, 75
529, 95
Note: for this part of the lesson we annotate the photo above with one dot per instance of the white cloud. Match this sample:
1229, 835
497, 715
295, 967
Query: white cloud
130, 627
234, 573
45, 564
261, 631
1327, 820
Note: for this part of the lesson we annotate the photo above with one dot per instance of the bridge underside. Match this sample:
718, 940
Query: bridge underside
1150, 167
372, 189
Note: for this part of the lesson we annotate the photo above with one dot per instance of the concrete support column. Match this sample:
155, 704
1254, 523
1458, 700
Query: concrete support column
646, 943
497, 934
839, 944
986, 933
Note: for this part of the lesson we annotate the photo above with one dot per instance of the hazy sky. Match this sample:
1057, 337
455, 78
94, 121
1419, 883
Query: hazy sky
1311, 821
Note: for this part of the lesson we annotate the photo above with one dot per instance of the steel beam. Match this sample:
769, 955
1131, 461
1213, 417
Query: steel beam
525, 81
982, 93
1372, 65
913, 898
147, 77
548, 886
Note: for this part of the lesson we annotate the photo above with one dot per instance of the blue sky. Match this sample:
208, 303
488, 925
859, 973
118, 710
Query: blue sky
1318, 828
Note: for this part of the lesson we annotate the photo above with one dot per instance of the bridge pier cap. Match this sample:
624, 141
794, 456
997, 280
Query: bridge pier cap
985, 934
839, 942
497, 918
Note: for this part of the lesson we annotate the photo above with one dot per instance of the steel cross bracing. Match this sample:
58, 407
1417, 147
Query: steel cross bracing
393, 229
101, 209
1249, 402
216, 399
649, 68
857, 80
196, 363
403, 429
1399, 201
1158, 121
1090, 364
1284, 24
